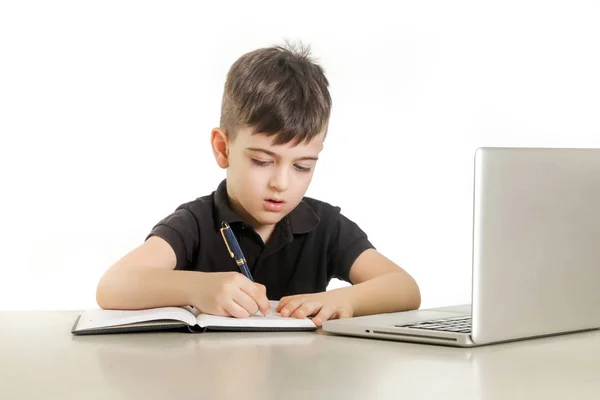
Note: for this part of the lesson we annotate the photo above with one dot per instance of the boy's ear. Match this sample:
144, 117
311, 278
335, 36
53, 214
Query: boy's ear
220, 146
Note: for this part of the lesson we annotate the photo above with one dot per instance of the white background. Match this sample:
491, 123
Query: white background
106, 109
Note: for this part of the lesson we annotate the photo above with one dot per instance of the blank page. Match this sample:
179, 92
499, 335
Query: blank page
92, 319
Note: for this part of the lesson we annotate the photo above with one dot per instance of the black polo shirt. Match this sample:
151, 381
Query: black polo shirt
308, 247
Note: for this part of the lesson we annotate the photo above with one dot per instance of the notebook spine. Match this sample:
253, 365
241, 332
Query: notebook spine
133, 329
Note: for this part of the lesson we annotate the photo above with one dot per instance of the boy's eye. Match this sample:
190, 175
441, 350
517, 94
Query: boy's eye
260, 163
301, 168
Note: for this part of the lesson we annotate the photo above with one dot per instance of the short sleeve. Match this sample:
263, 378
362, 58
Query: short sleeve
347, 242
181, 231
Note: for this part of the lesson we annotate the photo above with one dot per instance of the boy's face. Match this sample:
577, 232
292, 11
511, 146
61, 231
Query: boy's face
265, 182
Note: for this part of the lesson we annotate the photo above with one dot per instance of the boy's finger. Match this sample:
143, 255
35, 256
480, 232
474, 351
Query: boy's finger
262, 288
310, 307
263, 305
258, 298
235, 310
283, 301
291, 306
323, 315
246, 301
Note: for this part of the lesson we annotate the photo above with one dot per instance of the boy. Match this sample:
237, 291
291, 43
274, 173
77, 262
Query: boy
274, 119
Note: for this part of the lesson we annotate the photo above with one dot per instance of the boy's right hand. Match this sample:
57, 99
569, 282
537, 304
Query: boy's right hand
228, 294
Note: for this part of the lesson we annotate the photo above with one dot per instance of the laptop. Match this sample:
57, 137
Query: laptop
536, 255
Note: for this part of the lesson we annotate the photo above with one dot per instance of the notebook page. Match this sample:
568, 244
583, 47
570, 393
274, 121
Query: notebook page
92, 319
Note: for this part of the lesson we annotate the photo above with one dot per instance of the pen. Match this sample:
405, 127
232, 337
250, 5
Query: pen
235, 251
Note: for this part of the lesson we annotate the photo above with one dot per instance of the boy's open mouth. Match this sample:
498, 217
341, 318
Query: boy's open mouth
274, 205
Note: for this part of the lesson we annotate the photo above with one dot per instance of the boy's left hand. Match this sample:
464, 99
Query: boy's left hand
323, 306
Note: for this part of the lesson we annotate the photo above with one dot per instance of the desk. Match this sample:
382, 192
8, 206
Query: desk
40, 359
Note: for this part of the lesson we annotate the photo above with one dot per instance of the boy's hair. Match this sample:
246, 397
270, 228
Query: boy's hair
278, 91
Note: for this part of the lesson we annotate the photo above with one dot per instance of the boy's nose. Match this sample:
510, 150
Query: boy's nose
279, 180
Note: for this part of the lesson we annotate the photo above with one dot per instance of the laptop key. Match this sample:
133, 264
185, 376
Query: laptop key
458, 325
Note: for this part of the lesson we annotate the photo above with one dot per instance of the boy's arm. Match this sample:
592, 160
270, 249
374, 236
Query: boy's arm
145, 278
381, 286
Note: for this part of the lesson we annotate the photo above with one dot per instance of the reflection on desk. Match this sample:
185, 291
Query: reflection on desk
39, 358
222, 365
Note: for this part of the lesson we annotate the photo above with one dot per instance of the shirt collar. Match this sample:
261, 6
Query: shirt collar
303, 218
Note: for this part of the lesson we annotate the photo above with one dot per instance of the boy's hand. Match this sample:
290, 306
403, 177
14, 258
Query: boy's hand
323, 306
228, 294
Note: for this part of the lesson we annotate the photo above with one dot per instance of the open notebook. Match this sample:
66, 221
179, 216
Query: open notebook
187, 318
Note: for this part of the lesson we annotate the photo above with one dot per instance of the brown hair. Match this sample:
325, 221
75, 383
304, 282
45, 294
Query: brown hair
278, 91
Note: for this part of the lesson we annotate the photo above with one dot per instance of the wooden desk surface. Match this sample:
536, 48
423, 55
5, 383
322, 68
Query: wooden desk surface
40, 359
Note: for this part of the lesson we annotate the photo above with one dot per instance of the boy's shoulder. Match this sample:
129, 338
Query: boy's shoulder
199, 207
200, 203
193, 214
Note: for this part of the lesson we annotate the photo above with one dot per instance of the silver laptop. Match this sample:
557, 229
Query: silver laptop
536, 255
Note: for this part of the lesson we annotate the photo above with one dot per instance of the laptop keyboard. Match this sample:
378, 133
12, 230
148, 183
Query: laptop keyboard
459, 325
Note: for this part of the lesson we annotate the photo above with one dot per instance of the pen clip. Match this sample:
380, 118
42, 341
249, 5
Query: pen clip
227, 242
